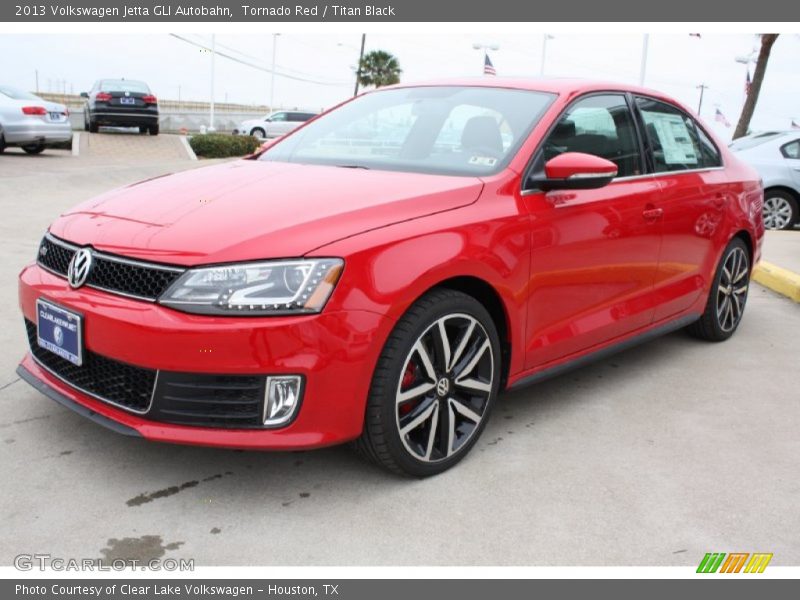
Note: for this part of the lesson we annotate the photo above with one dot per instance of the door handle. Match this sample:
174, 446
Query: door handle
652, 214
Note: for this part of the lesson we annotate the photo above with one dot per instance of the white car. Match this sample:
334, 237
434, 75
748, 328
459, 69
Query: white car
274, 125
776, 157
30, 122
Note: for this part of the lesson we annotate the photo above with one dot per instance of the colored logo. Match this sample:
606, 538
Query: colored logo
735, 562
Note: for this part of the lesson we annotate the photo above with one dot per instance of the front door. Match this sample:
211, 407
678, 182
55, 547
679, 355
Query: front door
594, 253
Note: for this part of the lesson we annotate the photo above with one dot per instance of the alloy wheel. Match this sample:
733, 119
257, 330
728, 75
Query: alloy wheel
777, 212
732, 289
444, 388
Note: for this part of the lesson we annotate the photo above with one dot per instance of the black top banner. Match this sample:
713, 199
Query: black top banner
397, 11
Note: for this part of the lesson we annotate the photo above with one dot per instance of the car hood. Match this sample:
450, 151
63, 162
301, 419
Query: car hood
249, 209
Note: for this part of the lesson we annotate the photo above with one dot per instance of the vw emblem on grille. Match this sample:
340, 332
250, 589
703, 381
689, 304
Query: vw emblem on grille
79, 267
127, 94
443, 386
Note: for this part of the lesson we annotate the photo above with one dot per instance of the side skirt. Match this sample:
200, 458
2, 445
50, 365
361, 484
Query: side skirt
604, 352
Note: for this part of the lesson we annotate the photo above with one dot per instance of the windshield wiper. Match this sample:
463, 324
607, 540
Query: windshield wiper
352, 167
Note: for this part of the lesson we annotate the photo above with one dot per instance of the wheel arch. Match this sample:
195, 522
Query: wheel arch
784, 188
492, 301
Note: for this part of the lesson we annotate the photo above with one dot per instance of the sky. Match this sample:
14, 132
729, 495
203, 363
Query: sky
315, 71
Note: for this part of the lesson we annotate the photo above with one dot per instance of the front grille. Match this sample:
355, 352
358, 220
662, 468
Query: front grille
195, 399
114, 274
229, 401
118, 383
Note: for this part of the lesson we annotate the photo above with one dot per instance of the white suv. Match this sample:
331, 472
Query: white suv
274, 125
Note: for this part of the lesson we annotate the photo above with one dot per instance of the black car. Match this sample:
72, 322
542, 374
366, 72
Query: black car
121, 103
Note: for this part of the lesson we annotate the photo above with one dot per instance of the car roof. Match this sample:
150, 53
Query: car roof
565, 86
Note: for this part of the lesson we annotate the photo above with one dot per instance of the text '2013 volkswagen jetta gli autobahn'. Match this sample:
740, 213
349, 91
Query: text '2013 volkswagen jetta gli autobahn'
380, 274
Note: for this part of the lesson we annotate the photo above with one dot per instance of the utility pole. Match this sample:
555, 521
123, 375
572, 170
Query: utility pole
37, 80
272, 77
360, 59
213, 57
702, 87
643, 70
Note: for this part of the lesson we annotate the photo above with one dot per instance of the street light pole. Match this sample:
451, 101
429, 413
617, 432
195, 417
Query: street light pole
360, 60
546, 37
213, 57
645, 44
272, 77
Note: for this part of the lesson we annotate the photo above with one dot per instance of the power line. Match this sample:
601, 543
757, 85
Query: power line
255, 66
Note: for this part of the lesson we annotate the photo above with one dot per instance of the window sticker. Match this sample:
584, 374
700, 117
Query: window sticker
483, 161
674, 138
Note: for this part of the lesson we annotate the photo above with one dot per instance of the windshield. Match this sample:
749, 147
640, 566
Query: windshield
442, 130
16, 94
112, 85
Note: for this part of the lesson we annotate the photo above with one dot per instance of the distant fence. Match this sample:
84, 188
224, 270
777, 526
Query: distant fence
178, 115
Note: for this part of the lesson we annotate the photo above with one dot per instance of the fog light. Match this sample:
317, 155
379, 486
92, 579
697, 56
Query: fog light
282, 400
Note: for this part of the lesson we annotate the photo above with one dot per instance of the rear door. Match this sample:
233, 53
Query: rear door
594, 253
693, 198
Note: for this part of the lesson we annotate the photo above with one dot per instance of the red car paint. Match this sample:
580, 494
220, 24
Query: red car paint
575, 271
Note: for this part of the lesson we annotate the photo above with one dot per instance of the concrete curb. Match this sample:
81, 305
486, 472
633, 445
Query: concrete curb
76, 143
188, 147
778, 279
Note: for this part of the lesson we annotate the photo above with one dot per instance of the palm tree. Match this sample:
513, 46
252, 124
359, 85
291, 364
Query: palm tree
379, 68
767, 41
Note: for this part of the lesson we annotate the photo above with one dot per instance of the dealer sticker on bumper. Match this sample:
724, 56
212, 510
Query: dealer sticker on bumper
59, 331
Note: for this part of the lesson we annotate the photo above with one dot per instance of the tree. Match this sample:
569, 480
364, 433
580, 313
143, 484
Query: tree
379, 68
767, 41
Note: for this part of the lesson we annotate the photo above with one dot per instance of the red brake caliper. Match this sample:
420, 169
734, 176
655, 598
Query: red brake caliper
409, 377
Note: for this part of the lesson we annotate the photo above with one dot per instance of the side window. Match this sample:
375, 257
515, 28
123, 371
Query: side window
599, 125
281, 116
294, 117
791, 150
676, 142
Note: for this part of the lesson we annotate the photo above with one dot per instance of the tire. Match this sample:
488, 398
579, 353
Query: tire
412, 436
2, 143
259, 133
34, 148
780, 210
86, 122
93, 127
143, 129
728, 295
153, 129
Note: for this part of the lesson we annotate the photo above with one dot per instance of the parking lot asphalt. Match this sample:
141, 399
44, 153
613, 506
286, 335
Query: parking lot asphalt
651, 457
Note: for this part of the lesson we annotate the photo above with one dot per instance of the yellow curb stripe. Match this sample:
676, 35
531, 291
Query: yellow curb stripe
783, 281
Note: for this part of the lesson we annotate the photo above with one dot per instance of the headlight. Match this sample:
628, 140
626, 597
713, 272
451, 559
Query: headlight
278, 287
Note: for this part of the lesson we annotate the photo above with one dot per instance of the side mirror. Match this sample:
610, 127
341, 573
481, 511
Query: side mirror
84, 95
575, 171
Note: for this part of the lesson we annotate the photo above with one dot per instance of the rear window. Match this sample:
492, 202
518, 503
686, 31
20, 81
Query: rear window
751, 141
16, 94
122, 85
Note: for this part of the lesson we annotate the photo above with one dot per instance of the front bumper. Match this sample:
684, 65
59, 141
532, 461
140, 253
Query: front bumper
335, 353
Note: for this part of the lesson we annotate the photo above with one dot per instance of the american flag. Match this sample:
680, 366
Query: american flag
795, 125
488, 67
720, 118
748, 83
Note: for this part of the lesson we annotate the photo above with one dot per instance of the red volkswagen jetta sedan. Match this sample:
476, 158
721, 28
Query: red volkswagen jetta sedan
383, 272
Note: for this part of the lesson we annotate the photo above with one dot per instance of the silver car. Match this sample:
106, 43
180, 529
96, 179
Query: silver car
776, 157
275, 124
31, 122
